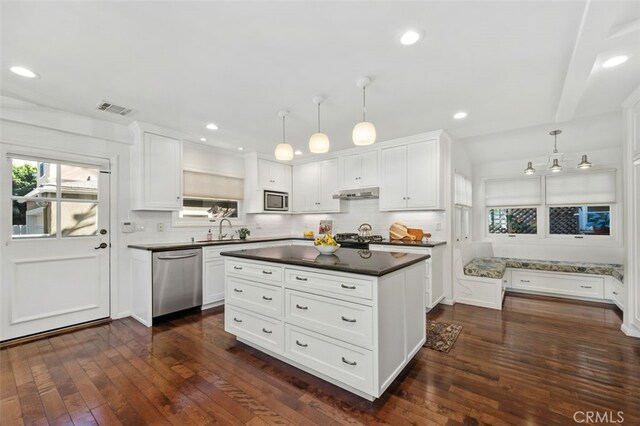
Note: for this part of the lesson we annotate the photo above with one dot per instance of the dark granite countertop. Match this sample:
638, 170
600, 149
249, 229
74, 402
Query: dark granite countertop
355, 261
421, 243
189, 245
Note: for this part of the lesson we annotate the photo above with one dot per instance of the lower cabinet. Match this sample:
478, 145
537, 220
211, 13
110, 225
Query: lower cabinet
617, 293
562, 284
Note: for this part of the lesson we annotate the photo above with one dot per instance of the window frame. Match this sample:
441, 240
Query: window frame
499, 237
181, 222
613, 225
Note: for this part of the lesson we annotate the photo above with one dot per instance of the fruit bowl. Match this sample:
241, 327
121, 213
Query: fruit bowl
327, 249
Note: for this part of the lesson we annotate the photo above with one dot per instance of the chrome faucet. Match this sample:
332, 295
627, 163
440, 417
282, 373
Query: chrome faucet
220, 235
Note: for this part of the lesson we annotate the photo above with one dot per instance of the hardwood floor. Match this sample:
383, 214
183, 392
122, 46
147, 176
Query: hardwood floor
535, 362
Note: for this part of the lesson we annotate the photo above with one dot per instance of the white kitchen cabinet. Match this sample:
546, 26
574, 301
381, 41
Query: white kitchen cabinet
463, 195
410, 177
274, 176
156, 171
314, 185
358, 170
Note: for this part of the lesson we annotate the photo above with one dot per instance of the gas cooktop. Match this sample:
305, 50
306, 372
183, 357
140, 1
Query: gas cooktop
353, 240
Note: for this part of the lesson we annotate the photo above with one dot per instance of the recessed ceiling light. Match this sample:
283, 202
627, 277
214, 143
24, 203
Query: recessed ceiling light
212, 126
409, 37
203, 139
24, 72
240, 148
298, 152
460, 115
615, 61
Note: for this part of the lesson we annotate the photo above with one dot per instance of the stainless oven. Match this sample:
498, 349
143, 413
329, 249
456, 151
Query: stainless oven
276, 201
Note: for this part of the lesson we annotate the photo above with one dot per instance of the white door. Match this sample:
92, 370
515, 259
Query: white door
328, 185
369, 169
56, 244
393, 185
162, 172
422, 175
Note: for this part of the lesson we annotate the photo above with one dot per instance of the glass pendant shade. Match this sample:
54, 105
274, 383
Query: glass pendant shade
364, 133
284, 152
319, 143
529, 170
555, 167
584, 164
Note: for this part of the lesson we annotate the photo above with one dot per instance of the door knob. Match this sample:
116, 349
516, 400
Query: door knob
101, 246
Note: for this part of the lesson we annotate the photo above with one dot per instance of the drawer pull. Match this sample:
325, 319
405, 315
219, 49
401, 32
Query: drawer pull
300, 278
585, 286
348, 287
267, 272
239, 268
524, 281
237, 290
615, 293
267, 298
304, 308
236, 319
302, 345
348, 319
264, 330
349, 362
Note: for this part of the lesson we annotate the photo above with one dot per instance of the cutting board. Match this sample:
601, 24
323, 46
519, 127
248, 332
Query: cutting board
398, 231
418, 233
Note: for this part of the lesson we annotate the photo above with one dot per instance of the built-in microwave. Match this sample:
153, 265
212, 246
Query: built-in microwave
276, 201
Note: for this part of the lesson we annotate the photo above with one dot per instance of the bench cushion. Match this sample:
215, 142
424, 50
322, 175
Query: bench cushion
486, 267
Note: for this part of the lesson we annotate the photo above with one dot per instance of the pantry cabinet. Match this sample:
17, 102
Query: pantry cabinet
410, 177
314, 185
156, 170
358, 170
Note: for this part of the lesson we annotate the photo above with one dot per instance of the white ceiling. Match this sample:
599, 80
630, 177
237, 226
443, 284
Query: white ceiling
183, 64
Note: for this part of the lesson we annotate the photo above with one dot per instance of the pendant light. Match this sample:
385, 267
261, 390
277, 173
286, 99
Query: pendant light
319, 142
364, 133
529, 170
284, 151
555, 167
584, 164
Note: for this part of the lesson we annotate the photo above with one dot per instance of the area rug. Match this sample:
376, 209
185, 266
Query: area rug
441, 336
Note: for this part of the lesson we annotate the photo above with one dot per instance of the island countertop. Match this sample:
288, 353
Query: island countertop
355, 261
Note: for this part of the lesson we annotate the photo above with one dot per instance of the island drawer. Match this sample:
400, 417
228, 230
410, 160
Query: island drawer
262, 298
341, 361
255, 271
328, 283
561, 283
264, 331
342, 320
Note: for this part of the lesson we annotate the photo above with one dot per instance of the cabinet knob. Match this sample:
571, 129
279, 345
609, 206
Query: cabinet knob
615, 292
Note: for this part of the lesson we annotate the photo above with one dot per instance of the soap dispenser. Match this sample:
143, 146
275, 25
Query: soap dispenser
209, 236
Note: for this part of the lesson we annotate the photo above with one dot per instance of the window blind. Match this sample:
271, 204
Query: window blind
593, 187
206, 185
512, 192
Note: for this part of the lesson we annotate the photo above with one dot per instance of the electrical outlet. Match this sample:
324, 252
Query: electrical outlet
160, 227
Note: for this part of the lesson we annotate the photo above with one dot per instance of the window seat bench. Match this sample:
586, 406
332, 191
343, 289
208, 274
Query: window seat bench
487, 278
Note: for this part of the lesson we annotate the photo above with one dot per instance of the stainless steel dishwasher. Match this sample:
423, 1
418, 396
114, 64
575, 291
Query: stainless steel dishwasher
177, 281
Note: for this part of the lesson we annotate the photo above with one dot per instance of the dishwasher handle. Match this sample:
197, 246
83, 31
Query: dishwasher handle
184, 256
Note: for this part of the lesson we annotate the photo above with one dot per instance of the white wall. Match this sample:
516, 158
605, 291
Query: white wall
603, 147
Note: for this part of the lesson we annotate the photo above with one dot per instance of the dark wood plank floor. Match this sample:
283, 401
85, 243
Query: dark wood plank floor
536, 362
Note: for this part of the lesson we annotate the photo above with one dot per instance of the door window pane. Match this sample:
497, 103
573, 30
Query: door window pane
79, 182
33, 218
33, 179
580, 220
78, 219
513, 221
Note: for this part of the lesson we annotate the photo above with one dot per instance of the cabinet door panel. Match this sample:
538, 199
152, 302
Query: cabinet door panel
305, 192
162, 172
393, 185
422, 175
213, 275
369, 169
350, 171
328, 185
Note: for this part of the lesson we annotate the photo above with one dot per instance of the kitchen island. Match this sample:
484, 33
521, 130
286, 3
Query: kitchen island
355, 318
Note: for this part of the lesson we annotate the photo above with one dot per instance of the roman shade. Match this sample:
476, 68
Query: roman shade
512, 192
593, 187
207, 185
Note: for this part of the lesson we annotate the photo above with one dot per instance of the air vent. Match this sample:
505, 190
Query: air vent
114, 109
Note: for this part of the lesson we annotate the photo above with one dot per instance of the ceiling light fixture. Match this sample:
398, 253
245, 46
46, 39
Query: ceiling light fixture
318, 142
298, 152
203, 139
615, 61
529, 170
212, 126
364, 133
284, 151
409, 37
460, 115
240, 148
23, 72
584, 163
556, 158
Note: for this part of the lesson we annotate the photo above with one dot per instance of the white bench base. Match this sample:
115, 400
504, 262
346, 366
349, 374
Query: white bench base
483, 292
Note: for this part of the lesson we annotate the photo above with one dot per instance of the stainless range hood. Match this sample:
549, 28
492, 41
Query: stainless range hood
358, 194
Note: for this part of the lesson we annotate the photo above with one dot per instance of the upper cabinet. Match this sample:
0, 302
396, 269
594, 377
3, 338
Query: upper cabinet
463, 195
358, 170
274, 176
410, 177
156, 170
314, 185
